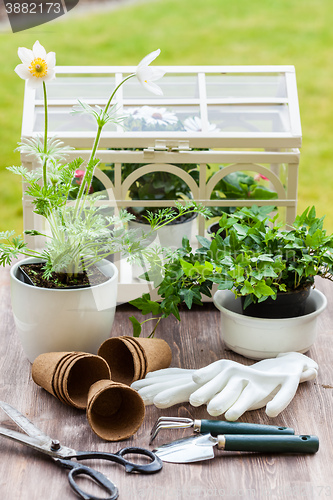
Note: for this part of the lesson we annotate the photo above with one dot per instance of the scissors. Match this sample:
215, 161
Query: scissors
62, 455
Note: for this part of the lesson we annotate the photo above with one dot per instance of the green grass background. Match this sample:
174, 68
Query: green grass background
199, 32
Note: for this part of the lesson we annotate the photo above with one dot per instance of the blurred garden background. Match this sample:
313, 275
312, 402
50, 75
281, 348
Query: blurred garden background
198, 32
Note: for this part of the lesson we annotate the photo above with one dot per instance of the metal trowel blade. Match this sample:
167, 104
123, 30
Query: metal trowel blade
192, 449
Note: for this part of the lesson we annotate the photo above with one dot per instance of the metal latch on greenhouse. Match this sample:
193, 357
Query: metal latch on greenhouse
166, 146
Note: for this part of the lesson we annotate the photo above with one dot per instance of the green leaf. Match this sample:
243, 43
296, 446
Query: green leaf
136, 326
262, 193
246, 288
186, 244
187, 296
315, 239
264, 258
224, 284
188, 268
248, 300
5, 235
166, 290
146, 305
237, 273
169, 306
204, 241
241, 230
312, 213
261, 289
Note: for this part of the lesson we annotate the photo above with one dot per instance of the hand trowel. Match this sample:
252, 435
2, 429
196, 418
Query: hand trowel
201, 447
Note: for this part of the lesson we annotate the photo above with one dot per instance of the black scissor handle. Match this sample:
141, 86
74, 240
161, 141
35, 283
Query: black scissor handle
82, 470
155, 465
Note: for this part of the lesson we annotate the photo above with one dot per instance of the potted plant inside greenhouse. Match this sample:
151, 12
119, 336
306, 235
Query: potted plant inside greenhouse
257, 264
238, 186
67, 300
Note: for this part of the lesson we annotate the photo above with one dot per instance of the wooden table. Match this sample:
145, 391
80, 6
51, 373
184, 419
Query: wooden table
195, 342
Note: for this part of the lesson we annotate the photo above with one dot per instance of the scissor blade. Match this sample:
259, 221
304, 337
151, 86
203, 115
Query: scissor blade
33, 442
22, 421
34, 437
37, 443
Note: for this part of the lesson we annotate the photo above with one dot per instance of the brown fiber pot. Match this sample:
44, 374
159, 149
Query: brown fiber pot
114, 411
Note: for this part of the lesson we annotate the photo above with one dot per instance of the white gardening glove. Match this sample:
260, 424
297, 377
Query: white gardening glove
167, 387
230, 388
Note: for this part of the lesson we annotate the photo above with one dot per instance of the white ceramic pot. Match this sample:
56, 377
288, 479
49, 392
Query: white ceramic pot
258, 338
170, 236
51, 320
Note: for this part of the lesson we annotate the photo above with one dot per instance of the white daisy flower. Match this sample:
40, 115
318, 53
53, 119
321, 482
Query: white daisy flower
194, 124
154, 116
37, 66
147, 75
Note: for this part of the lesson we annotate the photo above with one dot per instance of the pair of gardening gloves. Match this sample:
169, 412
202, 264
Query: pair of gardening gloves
229, 387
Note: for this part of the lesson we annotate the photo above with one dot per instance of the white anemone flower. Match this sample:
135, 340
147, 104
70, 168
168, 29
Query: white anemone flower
194, 124
155, 116
147, 75
37, 66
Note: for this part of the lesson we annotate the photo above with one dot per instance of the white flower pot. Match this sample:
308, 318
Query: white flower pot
258, 338
51, 320
170, 236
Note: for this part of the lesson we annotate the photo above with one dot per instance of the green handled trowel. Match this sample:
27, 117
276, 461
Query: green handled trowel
201, 447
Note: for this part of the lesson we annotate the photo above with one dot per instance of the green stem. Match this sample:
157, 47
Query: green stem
168, 221
114, 92
45, 134
154, 330
92, 155
89, 175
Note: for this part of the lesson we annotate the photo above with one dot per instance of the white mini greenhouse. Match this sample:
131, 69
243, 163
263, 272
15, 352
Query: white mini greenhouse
211, 123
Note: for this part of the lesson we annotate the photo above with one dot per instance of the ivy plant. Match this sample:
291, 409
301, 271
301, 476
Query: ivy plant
256, 258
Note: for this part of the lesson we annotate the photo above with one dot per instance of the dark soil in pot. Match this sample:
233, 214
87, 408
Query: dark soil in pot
32, 274
213, 228
286, 305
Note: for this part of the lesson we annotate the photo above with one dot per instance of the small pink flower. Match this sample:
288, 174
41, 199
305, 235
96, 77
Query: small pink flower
78, 176
259, 177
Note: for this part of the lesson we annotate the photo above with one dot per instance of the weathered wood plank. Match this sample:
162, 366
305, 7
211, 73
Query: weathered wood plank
195, 342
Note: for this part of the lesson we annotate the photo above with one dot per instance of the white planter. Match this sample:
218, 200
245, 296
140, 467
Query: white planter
51, 320
170, 236
258, 338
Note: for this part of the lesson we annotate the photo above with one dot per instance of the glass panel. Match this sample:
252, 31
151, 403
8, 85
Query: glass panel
177, 111
156, 118
250, 118
79, 87
173, 86
246, 86
62, 120
240, 185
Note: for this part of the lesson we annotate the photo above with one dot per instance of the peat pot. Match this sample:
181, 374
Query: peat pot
51, 320
260, 338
